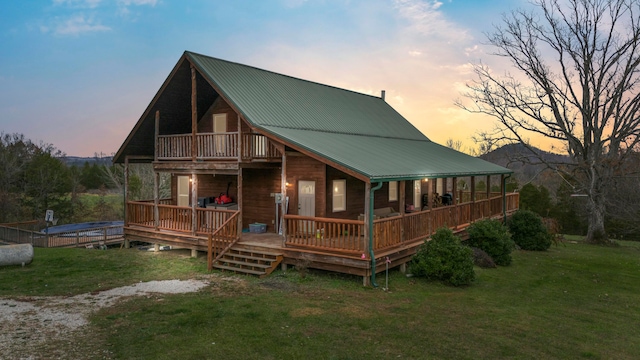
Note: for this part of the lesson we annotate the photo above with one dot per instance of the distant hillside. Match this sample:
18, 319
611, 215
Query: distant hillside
526, 166
80, 161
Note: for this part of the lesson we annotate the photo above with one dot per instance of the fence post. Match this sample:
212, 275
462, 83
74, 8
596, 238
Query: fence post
209, 252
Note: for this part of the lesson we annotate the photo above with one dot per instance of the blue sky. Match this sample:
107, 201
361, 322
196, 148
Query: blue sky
78, 74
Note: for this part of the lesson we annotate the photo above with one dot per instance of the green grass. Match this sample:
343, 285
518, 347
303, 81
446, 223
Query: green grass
573, 301
76, 271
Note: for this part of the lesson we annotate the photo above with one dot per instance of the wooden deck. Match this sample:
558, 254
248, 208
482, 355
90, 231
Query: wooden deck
322, 243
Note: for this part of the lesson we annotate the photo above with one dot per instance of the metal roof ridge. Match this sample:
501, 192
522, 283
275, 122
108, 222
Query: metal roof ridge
425, 139
281, 74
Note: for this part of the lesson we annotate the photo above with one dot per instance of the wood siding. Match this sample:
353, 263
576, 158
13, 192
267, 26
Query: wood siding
301, 167
210, 185
356, 195
258, 206
219, 106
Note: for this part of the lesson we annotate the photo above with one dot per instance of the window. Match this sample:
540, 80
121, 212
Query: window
393, 191
339, 195
417, 193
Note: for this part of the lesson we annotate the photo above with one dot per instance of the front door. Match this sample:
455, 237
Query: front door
307, 198
220, 139
183, 190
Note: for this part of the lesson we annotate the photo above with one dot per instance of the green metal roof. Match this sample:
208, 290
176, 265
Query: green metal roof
358, 131
270, 99
354, 130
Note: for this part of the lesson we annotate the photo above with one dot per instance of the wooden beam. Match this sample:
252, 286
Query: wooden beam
156, 135
283, 205
194, 203
239, 200
432, 190
239, 139
454, 191
401, 200
367, 211
190, 167
156, 200
473, 198
126, 189
488, 186
194, 114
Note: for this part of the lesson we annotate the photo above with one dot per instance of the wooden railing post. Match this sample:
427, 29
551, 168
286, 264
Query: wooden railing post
210, 252
194, 113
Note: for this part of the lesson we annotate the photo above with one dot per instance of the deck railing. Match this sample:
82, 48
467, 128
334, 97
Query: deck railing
325, 234
222, 239
140, 213
174, 147
255, 146
328, 234
176, 218
209, 220
216, 146
408, 228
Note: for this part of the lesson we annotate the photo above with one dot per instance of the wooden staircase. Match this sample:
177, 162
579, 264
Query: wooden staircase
249, 261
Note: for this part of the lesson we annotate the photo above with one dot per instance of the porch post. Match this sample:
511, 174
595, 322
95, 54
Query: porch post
156, 200
401, 200
157, 135
126, 197
239, 200
502, 191
239, 144
367, 218
473, 198
488, 187
283, 204
194, 114
194, 203
454, 191
431, 188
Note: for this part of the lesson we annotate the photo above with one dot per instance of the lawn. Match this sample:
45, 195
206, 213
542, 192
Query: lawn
573, 301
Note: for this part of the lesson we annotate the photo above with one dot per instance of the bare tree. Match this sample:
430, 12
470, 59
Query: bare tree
576, 83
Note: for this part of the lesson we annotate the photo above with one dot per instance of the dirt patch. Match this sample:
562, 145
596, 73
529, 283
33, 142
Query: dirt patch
308, 311
48, 327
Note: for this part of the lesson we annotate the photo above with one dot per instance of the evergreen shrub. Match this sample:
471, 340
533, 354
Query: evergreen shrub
528, 231
492, 237
445, 259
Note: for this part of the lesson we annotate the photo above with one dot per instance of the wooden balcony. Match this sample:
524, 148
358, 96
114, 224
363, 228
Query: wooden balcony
217, 146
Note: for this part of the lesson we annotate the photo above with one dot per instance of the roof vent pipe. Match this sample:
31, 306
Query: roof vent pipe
382, 94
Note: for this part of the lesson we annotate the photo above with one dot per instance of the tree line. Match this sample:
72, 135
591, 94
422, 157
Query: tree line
35, 178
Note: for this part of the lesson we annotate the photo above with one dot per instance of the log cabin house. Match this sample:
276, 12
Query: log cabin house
317, 174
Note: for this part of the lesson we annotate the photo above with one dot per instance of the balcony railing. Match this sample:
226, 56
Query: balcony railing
216, 146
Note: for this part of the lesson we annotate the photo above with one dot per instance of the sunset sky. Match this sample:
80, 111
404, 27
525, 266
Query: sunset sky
78, 74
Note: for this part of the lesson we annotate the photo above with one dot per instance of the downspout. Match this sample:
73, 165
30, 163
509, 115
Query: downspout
504, 199
373, 257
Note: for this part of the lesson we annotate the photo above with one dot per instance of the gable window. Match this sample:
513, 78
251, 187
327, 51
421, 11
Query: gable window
393, 191
339, 195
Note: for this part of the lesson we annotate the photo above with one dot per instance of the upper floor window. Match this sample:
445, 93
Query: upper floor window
339, 195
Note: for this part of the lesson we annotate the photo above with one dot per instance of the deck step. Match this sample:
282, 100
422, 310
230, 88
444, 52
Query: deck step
251, 262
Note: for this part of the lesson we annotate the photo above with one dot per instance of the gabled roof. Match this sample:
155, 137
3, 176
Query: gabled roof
357, 131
